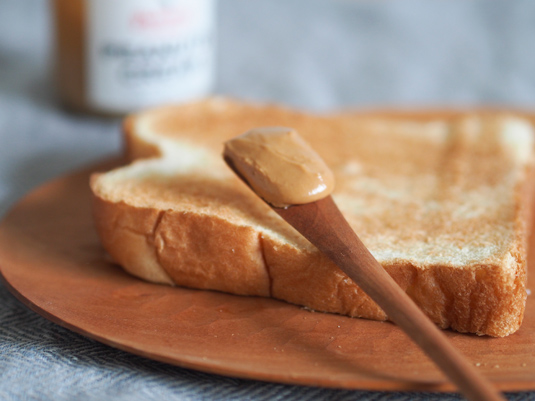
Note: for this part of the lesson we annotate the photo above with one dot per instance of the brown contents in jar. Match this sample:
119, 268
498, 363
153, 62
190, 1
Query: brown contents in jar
70, 53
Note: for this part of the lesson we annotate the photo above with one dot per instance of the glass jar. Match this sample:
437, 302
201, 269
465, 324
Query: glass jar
118, 56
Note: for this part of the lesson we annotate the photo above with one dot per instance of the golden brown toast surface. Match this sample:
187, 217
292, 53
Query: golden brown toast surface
440, 202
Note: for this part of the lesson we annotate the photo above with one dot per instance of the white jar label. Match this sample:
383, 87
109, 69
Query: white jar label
142, 53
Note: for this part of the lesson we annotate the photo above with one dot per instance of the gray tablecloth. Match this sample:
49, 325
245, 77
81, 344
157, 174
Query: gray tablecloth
310, 54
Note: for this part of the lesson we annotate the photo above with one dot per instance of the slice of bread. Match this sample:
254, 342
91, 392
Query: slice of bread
440, 199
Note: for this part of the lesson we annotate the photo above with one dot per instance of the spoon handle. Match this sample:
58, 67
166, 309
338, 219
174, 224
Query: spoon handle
323, 225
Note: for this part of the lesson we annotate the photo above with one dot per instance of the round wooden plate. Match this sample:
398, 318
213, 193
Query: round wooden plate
51, 259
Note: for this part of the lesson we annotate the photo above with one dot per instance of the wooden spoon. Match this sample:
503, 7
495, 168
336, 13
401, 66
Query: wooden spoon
322, 223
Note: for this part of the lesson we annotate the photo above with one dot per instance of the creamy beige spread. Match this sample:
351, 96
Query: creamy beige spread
280, 166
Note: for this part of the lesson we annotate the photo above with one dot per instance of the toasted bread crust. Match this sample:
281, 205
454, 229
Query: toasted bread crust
192, 247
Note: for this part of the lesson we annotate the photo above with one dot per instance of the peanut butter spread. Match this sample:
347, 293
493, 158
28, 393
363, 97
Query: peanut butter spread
280, 166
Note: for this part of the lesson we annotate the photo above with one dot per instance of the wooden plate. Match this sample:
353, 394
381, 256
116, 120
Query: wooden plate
51, 259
